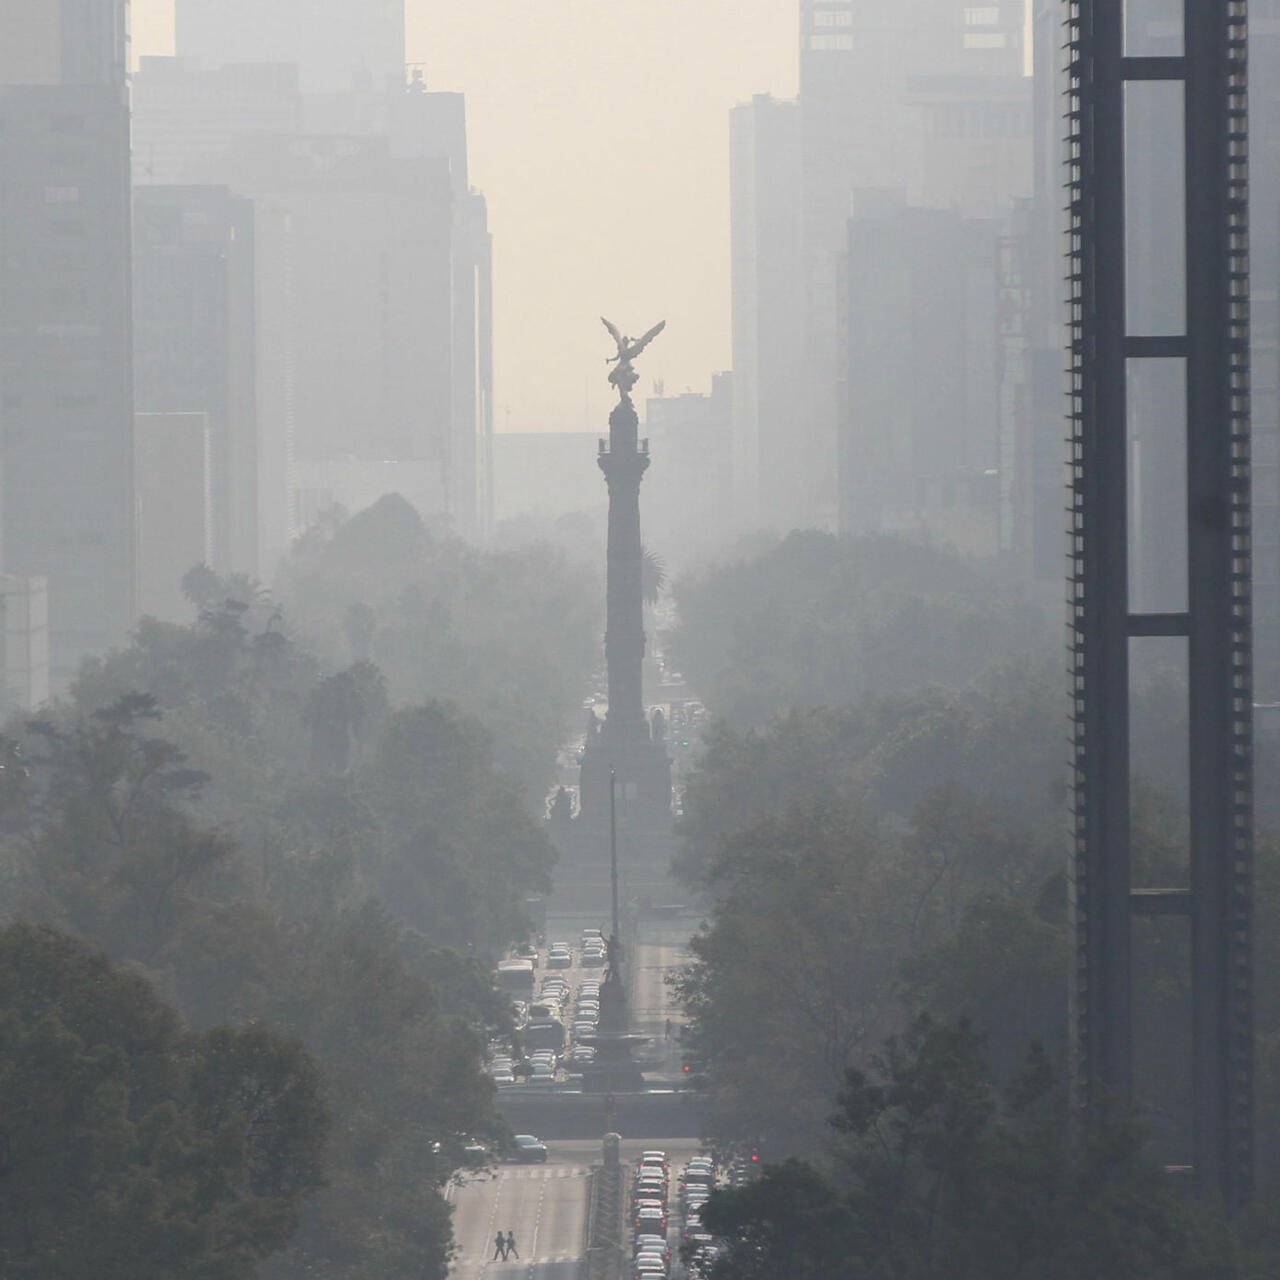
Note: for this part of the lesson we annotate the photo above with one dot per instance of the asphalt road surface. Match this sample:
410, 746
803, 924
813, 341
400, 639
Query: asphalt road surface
663, 948
545, 1205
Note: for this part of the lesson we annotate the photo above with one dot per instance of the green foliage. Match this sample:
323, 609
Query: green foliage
1005, 968
132, 1147
407, 806
941, 1177
510, 636
326, 901
818, 620
110, 851
461, 853
995, 747
818, 914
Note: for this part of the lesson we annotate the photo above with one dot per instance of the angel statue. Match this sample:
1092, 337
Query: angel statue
624, 377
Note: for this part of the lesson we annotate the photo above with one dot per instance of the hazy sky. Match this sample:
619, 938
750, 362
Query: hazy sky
599, 132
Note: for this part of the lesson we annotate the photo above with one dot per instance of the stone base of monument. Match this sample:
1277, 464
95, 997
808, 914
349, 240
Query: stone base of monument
614, 1069
610, 1077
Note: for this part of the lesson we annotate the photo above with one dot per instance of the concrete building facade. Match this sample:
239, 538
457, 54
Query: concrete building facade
689, 502
925, 100
374, 263
338, 46
66, 397
195, 330
920, 450
175, 508
768, 314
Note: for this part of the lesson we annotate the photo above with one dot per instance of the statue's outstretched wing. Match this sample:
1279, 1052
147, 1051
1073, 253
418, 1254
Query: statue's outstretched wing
614, 332
653, 333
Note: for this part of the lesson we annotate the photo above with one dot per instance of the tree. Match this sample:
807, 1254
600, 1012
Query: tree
112, 853
939, 1176
342, 708
796, 975
510, 636
132, 1147
987, 757
461, 853
819, 620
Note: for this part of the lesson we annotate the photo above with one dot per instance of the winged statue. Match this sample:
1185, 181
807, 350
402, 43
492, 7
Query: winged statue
624, 377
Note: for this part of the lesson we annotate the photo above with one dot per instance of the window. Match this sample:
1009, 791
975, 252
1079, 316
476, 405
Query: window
985, 40
987, 15
62, 195
824, 44
833, 18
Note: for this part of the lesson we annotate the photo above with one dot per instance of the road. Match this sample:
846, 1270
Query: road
663, 949
545, 1205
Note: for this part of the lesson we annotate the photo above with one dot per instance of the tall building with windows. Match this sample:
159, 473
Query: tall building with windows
195, 349
768, 313
924, 100
66, 402
337, 45
374, 351
919, 351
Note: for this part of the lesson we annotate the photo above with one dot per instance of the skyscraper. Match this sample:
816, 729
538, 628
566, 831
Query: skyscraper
919, 409
194, 335
920, 97
373, 350
768, 313
66, 411
337, 45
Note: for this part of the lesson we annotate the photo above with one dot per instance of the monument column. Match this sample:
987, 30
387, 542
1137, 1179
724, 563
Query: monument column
624, 746
624, 465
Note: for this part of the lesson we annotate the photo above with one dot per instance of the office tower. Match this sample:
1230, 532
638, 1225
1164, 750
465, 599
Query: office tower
186, 117
689, 506
24, 633
337, 45
175, 508
66, 410
370, 246
433, 126
918, 446
924, 98
194, 340
768, 313
310, 162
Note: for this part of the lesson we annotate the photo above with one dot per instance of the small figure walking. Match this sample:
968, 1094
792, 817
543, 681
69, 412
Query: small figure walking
511, 1246
668, 1028
499, 1248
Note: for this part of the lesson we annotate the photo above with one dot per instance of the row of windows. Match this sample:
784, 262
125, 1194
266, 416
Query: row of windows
987, 15
833, 18
972, 40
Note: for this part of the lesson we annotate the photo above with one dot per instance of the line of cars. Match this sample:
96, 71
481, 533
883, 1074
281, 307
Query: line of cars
651, 1220
547, 1044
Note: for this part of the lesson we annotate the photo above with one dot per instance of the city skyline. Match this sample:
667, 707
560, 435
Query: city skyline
622, 209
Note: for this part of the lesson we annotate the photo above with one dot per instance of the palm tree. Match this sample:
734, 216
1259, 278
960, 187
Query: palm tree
653, 576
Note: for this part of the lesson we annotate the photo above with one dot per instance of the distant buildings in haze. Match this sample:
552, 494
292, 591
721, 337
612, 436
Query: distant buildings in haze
294, 302
374, 268
66, 396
